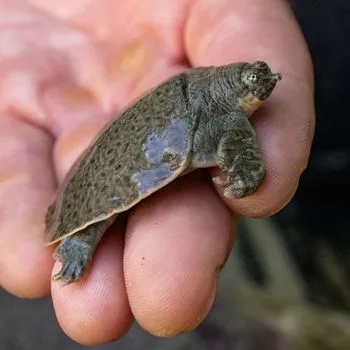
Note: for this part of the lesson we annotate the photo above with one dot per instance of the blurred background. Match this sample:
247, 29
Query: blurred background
290, 272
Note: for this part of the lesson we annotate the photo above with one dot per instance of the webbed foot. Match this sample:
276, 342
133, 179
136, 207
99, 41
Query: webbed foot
242, 180
74, 258
75, 252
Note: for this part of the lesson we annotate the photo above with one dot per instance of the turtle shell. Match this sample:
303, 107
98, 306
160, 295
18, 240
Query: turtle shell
133, 156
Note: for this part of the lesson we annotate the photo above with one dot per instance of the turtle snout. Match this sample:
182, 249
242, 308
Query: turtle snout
277, 76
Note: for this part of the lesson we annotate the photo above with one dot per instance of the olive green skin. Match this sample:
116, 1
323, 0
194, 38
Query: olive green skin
196, 119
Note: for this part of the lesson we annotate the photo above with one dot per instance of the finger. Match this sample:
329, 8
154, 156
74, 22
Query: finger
263, 30
27, 180
26, 188
78, 124
96, 310
99, 302
75, 118
176, 243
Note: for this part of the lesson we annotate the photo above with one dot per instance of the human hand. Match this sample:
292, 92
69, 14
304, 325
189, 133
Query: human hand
65, 68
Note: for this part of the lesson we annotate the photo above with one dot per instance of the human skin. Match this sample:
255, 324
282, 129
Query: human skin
57, 92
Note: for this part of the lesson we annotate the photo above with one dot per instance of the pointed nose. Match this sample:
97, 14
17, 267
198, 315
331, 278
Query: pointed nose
277, 76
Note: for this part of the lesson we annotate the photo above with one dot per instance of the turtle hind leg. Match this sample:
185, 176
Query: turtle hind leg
75, 252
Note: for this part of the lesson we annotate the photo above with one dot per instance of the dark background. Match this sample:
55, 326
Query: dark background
321, 206
320, 209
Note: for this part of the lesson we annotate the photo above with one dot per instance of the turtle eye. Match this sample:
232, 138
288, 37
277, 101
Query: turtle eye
252, 78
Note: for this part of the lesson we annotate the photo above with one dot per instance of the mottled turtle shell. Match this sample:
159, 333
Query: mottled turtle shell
133, 156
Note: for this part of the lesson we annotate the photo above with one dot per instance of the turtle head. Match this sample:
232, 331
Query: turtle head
238, 85
258, 80
255, 84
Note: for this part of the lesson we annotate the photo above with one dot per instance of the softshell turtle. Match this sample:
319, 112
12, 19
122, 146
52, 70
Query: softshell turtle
196, 119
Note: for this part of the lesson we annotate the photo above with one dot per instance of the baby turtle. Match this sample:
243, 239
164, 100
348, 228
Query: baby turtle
196, 119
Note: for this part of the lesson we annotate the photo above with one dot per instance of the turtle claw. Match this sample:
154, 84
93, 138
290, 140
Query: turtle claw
220, 181
69, 272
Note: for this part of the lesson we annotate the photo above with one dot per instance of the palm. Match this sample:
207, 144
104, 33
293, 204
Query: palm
88, 67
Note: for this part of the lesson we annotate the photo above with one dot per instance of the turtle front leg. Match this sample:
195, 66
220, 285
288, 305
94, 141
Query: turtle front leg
75, 252
240, 159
